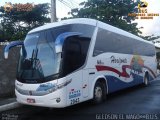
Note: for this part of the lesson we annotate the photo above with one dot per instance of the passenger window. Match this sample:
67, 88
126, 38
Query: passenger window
107, 41
74, 55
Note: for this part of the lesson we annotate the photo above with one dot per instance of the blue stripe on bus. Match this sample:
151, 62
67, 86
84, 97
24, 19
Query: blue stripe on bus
115, 84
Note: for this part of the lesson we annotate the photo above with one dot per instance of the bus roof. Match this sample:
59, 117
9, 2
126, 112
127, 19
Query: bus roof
65, 22
88, 22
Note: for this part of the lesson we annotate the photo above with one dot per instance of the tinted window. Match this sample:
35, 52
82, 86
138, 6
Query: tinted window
107, 41
38, 60
74, 53
46, 55
143, 49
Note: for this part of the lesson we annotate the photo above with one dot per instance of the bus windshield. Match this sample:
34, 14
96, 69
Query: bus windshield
38, 60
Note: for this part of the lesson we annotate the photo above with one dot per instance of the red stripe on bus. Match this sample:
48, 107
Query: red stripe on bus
123, 73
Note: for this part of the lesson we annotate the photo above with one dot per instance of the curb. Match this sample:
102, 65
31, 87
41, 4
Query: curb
10, 106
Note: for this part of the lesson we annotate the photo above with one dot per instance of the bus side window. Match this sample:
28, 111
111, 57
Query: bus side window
71, 56
107, 41
74, 53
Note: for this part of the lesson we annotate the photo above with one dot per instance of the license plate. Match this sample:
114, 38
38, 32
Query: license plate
29, 100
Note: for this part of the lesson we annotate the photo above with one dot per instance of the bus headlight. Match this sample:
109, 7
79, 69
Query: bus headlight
52, 89
47, 87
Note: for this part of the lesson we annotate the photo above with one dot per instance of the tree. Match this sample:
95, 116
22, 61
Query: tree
17, 22
150, 38
113, 12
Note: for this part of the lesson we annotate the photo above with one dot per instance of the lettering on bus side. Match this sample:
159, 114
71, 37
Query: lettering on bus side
118, 60
99, 62
74, 101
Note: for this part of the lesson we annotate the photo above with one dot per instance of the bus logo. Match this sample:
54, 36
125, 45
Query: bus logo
142, 11
142, 4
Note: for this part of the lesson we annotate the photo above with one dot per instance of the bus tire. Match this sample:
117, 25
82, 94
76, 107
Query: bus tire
146, 80
99, 94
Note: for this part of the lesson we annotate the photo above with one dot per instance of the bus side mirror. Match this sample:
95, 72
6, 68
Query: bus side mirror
61, 38
11, 45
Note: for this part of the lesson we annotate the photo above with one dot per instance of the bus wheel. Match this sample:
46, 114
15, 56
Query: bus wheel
99, 93
146, 80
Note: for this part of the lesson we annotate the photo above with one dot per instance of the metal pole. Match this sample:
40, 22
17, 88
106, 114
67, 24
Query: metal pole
53, 10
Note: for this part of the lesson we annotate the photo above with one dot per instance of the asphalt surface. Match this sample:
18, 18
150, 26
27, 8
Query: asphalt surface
134, 103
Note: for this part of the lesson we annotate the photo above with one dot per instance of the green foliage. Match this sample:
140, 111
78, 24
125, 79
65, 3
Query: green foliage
113, 12
150, 38
16, 24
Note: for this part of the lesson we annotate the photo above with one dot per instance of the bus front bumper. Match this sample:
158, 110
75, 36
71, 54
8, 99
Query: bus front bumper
52, 100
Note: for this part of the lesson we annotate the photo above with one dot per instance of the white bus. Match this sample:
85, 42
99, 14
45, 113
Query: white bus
71, 61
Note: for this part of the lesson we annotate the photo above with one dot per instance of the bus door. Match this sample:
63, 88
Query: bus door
81, 45
71, 64
85, 85
75, 52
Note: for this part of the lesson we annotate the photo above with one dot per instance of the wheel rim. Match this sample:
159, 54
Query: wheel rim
98, 93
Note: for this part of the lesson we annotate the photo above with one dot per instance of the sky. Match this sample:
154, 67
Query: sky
149, 26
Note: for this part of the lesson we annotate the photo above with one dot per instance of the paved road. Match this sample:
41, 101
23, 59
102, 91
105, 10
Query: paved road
137, 102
